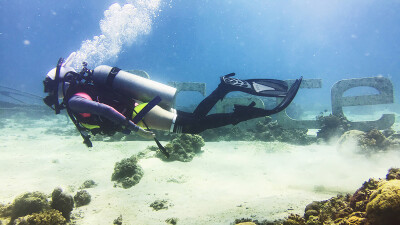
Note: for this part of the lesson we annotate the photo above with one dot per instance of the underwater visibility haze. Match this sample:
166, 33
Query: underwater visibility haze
267, 169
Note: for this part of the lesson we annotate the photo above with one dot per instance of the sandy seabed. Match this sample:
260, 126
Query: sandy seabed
229, 180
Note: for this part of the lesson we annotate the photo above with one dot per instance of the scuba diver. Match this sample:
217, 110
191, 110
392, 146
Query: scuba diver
107, 100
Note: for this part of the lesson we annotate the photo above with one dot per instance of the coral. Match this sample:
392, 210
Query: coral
82, 198
260, 129
376, 202
88, 184
243, 220
20, 221
384, 205
193, 143
330, 210
219, 134
28, 203
326, 212
332, 126
365, 143
172, 221
360, 198
248, 221
5, 210
127, 172
268, 130
159, 204
348, 142
374, 140
183, 148
62, 202
294, 219
313, 220
118, 221
337, 207
48, 217
394, 173
312, 209
356, 218
33, 208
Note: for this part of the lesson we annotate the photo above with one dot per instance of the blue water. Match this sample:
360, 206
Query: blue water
196, 40
199, 40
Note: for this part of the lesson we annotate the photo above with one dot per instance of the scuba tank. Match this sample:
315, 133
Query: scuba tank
134, 86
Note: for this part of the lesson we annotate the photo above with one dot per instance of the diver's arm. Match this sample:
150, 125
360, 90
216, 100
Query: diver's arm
79, 104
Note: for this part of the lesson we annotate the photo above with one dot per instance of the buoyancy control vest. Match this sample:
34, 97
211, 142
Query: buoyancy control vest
94, 123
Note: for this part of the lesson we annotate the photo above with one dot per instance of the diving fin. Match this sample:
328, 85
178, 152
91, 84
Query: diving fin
243, 113
289, 97
258, 87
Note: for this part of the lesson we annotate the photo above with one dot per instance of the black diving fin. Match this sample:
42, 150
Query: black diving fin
289, 97
249, 112
258, 87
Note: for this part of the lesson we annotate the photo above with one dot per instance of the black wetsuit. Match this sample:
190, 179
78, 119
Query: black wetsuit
185, 122
192, 123
199, 121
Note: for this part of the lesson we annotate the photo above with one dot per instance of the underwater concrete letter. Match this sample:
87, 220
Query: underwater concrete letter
385, 96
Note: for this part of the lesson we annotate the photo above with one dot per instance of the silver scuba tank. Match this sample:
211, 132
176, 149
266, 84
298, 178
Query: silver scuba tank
134, 86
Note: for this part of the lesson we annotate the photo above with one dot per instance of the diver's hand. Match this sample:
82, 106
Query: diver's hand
146, 134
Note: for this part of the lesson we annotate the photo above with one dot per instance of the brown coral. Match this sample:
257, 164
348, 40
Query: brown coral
364, 142
374, 140
62, 202
183, 148
332, 126
49, 217
360, 198
294, 219
28, 203
377, 202
393, 174
356, 218
246, 223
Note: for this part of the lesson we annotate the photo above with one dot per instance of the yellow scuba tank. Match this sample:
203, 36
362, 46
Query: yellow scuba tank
134, 86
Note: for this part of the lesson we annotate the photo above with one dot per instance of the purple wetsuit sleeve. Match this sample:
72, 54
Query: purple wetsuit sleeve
79, 104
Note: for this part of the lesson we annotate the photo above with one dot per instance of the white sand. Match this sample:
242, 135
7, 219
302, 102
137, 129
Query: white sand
229, 180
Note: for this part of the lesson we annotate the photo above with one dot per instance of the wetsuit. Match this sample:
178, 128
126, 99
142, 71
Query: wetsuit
83, 104
199, 120
193, 123
185, 122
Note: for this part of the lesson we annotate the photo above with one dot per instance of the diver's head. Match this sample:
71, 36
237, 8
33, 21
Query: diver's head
55, 83
62, 85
